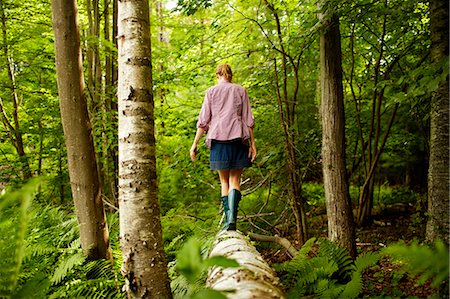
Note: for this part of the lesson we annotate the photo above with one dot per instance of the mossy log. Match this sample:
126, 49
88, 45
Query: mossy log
253, 279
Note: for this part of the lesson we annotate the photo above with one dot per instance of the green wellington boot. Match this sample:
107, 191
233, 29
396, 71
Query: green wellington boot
226, 212
234, 197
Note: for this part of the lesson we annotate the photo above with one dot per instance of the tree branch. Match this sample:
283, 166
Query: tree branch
275, 239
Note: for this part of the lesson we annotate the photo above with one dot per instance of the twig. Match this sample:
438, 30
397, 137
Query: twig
256, 215
105, 201
268, 195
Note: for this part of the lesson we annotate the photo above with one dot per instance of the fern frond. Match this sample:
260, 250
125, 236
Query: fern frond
417, 259
329, 289
66, 265
339, 255
92, 289
353, 288
99, 269
366, 260
14, 215
306, 248
331, 273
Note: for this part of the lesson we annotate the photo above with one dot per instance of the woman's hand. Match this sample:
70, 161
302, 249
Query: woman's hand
193, 151
252, 152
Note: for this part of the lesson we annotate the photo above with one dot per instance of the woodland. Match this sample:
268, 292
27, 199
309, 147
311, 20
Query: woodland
348, 196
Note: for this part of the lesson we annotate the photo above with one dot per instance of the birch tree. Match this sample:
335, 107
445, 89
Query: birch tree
253, 279
144, 265
340, 218
78, 133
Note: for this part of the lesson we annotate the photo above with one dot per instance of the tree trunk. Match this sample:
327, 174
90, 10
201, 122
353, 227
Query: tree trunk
108, 114
438, 172
295, 197
77, 131
13, 128
144, 265
254, 279
113, 150
287, 109
339, 210
162, 40
371, 148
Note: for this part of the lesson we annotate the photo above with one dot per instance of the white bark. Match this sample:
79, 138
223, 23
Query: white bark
144, 265
254, 279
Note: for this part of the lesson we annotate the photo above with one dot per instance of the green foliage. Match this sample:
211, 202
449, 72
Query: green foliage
323, 269
65, 265
314, 194
42, 256
192, 263
387, 195
198, 35
95, 279
14, 218
427, 262
189, 7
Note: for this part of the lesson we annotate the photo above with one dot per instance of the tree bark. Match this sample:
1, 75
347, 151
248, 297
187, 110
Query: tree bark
338, 203
287, 110
438, 172
109, 147
296, 201
144, 265
77, 131
13, 128
254, 279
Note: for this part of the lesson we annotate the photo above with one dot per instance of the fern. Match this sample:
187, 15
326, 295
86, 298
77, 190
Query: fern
362, 262
14, 215
429, 262
339, 255
66, 265
325, 272
52, 265
94, 279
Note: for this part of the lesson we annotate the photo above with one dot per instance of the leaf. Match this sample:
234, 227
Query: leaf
66, 265
210, 294
221, 261
189, 260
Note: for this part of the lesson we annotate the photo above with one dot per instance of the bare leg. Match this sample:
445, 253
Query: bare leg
235, 179
224, 176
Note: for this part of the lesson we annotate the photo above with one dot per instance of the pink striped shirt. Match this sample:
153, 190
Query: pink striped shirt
226, 113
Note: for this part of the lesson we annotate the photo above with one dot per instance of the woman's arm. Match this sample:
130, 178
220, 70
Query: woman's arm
252, 148
198, 136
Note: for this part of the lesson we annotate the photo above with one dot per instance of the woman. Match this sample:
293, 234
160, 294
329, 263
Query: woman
227, 118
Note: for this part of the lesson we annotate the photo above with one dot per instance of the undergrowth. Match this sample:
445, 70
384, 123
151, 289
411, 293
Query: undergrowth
324, 270
41, 255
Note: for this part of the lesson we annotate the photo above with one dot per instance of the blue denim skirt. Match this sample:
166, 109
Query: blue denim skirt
231, 154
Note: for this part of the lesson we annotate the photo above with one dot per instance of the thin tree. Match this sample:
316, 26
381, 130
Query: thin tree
77, 131
13, 128
287, 110
144, 265
438, 172
339, 211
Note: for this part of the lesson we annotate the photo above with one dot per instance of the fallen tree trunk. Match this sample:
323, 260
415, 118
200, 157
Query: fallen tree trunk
254, 279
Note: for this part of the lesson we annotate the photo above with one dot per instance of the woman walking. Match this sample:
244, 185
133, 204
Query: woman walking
227, 119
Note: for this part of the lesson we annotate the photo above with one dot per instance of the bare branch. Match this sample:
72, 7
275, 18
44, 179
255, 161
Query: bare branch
275, 239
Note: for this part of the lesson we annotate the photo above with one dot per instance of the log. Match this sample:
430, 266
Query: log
253, 279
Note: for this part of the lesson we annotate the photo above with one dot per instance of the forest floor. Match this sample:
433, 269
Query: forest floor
391, 224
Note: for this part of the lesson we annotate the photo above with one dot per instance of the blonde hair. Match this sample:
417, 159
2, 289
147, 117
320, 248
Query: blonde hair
224, 70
